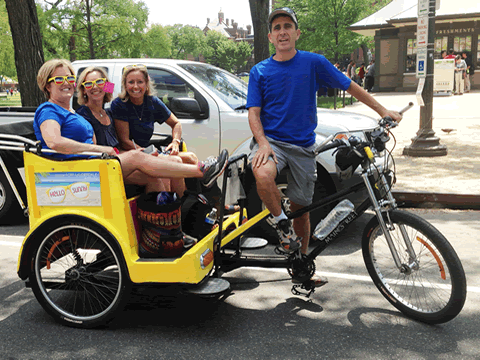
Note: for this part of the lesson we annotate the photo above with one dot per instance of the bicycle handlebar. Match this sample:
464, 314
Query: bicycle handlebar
386, 122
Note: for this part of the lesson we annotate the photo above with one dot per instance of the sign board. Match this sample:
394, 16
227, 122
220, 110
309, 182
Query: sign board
423, 7
422, 31
444, 72
421, 62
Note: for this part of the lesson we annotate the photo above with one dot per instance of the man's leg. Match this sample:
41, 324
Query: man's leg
267, 188
301, 225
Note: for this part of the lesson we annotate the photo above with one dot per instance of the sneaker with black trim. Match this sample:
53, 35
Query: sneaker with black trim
213, 167
317, 281
289, 241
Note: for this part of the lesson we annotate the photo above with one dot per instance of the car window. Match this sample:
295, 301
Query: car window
227, 86
168, 85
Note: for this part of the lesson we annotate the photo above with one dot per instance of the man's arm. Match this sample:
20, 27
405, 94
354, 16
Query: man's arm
264, 150
361, 95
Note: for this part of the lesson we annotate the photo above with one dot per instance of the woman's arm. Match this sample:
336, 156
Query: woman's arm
176, 126
123, 135
51, 133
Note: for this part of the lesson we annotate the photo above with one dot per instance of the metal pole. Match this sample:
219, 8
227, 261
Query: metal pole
425, 143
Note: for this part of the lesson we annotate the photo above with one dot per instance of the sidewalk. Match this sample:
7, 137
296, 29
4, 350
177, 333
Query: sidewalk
452, 180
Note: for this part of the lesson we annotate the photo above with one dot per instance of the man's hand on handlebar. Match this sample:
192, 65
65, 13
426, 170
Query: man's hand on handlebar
394, 115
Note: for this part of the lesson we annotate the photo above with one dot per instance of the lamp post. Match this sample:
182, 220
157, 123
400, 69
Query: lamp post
425, 143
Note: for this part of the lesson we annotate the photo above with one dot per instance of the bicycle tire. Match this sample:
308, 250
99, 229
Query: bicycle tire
79, 275
435, 290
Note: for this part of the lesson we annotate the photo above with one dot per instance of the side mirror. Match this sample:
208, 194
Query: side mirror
185, 107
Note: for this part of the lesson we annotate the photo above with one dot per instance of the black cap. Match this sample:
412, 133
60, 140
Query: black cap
283, 11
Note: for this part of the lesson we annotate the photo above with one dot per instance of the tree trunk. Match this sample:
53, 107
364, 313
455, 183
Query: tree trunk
28, 50
259, 10
89, 31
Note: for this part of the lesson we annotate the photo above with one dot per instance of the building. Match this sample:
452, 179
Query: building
457, 26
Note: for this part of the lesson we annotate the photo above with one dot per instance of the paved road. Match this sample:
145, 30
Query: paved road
261, 319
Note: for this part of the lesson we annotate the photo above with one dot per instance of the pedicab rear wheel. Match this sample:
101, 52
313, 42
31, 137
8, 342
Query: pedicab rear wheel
79, 275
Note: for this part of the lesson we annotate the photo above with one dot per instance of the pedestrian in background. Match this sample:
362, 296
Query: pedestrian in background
370, 77
468, 60
460, 70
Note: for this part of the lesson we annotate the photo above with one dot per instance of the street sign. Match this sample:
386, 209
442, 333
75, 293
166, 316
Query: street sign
423, 7
421, 62
422, 31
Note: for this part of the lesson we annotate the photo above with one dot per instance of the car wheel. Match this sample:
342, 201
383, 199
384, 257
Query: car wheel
324, 186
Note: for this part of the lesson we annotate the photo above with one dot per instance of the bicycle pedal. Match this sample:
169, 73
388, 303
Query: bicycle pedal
311, 290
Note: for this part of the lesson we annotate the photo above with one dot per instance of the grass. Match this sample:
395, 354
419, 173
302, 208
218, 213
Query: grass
11, 100
328, 103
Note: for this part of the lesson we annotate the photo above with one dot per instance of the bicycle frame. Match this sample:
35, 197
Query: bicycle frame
224, 262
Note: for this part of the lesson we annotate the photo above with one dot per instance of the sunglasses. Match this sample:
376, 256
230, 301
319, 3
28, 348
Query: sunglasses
59, 80
134, 66
100, 82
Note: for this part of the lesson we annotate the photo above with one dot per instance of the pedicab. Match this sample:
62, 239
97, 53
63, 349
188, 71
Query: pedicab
81, 256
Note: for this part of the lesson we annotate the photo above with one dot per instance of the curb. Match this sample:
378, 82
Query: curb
437, 200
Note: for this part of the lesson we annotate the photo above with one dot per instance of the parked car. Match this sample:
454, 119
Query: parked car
243, 74
210, 103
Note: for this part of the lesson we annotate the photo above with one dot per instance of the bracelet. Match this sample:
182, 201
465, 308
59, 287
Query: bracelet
178, 141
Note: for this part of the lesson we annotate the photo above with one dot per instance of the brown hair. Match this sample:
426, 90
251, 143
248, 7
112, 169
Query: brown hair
82, 96
48, 69
127, 70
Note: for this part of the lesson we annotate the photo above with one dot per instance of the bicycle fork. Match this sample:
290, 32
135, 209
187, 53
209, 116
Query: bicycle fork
377, 207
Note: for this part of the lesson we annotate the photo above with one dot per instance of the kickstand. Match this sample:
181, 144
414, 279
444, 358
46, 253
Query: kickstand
309, 286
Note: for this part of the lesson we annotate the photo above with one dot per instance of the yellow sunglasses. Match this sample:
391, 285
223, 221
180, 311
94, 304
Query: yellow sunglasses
139, 66
100, 82
59, 80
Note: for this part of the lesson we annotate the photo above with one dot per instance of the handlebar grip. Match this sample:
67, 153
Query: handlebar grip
409, 106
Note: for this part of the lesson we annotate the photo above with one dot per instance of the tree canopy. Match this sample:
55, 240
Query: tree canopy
324, 24
7, 59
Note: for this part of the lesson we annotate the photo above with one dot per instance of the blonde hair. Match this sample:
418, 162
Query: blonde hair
48, 69
82, 96
150, 91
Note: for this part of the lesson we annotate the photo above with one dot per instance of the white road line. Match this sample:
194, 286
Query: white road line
10, 243
474, 289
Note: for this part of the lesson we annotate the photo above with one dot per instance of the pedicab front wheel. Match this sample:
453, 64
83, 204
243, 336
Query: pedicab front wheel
79, 275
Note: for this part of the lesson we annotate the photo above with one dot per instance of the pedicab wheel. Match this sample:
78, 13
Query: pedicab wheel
431, 286
79, 275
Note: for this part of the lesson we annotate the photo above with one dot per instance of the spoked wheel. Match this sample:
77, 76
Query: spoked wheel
79, 275
431, 285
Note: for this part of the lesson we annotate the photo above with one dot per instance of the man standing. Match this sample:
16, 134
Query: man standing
370, 76
282, 114
469, 71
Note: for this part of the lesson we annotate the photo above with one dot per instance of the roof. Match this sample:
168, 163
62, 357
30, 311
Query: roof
218, 27
404, 12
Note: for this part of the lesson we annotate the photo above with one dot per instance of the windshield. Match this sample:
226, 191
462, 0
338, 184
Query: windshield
228, 87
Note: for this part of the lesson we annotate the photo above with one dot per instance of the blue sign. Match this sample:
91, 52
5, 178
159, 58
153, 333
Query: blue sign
421, 65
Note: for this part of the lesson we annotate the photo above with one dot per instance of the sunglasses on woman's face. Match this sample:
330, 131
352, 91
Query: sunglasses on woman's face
59, 80
100, 82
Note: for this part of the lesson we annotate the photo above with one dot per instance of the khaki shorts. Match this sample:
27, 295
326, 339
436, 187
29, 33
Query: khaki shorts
301, 168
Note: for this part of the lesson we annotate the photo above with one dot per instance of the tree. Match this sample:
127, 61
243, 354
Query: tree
186, 40
89, 29
7, 59
259, 10
157, 43
324, 24
27, 43
226, 53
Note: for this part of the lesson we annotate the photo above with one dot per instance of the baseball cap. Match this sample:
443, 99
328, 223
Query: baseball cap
283, 11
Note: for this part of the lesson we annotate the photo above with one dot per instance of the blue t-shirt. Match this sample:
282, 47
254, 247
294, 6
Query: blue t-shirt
72, 126
104, 134
141, 118
286, 92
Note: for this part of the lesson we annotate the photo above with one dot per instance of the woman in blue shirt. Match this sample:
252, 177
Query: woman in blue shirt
136, 110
